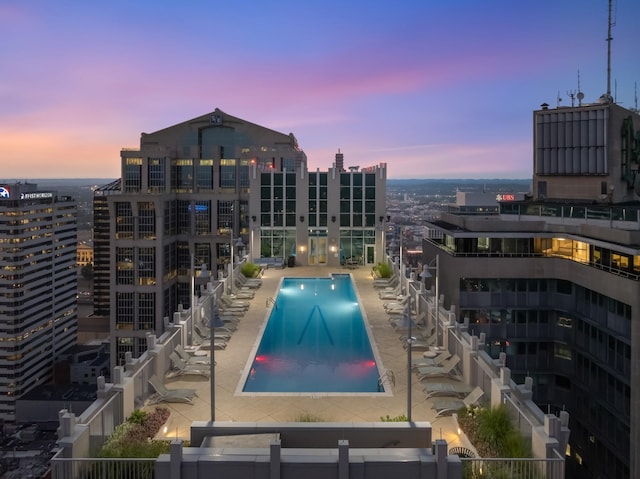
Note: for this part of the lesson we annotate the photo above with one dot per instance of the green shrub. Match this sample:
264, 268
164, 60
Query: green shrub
250, 270
307, 417
400, 418
134, 438
492, 433
383, 270
137, 417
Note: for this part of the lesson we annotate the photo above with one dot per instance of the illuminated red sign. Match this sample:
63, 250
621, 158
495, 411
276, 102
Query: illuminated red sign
505, 197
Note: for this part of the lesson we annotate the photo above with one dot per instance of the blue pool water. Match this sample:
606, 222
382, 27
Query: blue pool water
314, 341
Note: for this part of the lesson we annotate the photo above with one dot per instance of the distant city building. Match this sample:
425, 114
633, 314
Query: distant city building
38, 287
84, 255
553, 280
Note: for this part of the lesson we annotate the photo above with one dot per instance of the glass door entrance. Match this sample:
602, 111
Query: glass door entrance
370, 256
317, 251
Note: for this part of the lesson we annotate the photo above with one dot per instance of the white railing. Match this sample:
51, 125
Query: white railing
524, 468
102, 468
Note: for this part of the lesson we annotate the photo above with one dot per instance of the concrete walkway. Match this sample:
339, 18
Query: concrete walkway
232, 361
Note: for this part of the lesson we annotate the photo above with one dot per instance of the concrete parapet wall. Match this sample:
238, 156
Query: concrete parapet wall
326, 434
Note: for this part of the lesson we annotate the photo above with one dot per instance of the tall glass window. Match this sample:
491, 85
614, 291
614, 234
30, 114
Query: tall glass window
203, 254
146, 311
228, 174
182, 175
146, 220
183, 217
170, 264
225, 217
183, 258
124, 265
243, 174
204, 174
124, 310
170, 221
147, 266
203, 217
124, 220
155, 172
132, 174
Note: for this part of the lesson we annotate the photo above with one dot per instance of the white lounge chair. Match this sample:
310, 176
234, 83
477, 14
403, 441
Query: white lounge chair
164, 394
400, 303
385, 282
447, 369
182, 368
202, 338
423, 344
242, 293
251, 283
394, 293
189, 359
433, 389
227, 302
445, 407
425, 362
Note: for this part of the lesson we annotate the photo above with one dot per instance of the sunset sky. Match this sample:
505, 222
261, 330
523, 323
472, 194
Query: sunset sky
436, 89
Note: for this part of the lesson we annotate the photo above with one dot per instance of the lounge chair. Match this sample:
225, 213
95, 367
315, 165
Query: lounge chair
164, 394
400, 303
445, 407
447, 369
242, 293
251, 283
182, 368
231, 310
401, 324
228, 302
189, 359
437, 361
202, 337
393, 293
424, 344
385, 282
433, 389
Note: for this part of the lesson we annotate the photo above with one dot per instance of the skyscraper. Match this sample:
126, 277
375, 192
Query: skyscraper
183, 195
38, 288
553, 280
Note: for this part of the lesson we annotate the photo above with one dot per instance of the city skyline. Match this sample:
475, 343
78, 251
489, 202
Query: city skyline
435, 91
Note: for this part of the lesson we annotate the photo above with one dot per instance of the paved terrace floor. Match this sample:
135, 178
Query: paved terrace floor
232, 361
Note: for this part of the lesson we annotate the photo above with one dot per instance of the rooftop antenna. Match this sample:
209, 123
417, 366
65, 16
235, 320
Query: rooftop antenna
611, 23
580, 94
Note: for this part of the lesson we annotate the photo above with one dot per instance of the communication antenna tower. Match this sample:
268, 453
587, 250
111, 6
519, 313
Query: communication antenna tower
611, 24
580, 95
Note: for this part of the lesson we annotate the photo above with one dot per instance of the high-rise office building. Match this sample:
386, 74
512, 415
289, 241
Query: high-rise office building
192, 190
38, 288
553, 280
181, 197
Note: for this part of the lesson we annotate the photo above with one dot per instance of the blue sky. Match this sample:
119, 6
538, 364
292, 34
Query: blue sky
435, 89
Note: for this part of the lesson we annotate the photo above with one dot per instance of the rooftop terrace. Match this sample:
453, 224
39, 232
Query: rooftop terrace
264, 414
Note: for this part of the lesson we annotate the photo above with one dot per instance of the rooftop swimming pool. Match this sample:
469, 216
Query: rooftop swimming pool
315, 340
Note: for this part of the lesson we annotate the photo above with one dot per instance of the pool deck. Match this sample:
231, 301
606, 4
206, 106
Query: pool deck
278, 408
